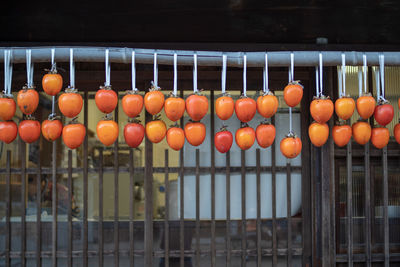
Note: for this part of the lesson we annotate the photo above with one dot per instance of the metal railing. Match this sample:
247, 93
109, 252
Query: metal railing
315, 199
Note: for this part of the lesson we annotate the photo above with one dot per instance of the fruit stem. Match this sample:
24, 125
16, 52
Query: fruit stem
134, 120
29, 117
154, 87
53, 116
243, 125
223, 128
105, 87
108, 117
70, 89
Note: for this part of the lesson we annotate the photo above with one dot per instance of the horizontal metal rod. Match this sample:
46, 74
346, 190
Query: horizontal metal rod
187, 170
266, 252
204, 58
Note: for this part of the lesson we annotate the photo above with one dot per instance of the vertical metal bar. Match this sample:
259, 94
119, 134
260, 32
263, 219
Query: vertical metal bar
23, 199
166, 220
39, 213
212, 149
131, 206
181, 203
306, 174
148, 201
367, 205
373, 215
316, 206
69, 252
197, 208
332, 231
367, 189
258, 182
332, 85
385, 206
338, 208
116, 197
101, 209
310, 252
289, 211
349, 208
273, 177
326, 193
85, 183
243, 187
8, 208
54, 204
373, 230
228, 208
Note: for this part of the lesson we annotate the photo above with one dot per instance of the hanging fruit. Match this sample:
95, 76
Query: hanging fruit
365, 103
341, 134
156, 130
293, 93
29, 130
52, 82
7, 103
154, 100
175, 138
318, 133
344, 107
245, 108
397, 132
223, 140
321, 109
133, 133
27, 100
265, 134
361, 132
107, 131
224, 106
70, 103
195, 133
52, 129
366, 106
28, 97
383, 113
132, 103
8, 131
7, 107
174, 107
267, 104
196, 106
380, 137
73, 134
291, 146
106, 99
245, 137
